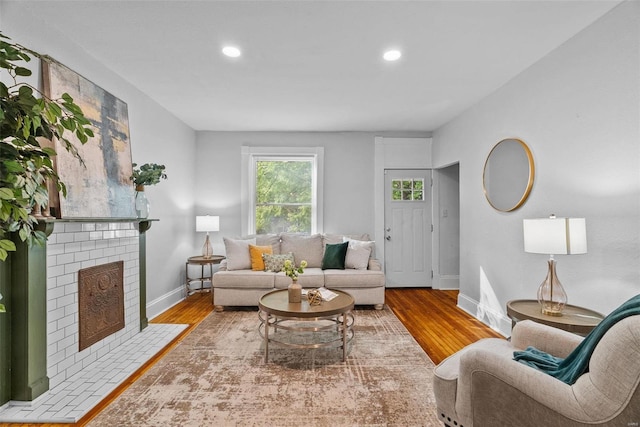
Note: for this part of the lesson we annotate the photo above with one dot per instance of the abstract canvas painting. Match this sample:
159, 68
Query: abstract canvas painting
101, 188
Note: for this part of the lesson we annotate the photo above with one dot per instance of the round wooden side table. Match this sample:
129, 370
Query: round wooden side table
574, 319
208, 277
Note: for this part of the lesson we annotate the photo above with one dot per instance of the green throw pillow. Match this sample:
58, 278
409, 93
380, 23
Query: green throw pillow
275, 262
334, 256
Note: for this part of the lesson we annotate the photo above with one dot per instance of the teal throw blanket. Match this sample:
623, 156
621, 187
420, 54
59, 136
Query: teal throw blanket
575, 364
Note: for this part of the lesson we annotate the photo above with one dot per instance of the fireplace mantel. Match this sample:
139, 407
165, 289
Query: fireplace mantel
23, 283
132, 219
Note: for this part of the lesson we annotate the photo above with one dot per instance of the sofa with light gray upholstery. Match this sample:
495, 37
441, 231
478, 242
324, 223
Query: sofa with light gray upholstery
236, 284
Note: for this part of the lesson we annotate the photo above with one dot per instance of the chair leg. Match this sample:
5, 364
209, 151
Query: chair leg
448, 422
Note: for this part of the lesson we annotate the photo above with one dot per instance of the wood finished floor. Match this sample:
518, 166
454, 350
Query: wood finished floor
431, 316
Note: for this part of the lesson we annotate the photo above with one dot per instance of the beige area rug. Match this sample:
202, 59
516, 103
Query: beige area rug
216, 376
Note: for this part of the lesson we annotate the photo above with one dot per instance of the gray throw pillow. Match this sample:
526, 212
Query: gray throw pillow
237, 253
358, 254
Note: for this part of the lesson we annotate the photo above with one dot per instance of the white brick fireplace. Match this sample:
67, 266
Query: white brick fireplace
80, 380
73, 246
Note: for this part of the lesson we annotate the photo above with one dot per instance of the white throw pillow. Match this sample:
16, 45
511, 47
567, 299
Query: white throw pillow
358, 253
237, 253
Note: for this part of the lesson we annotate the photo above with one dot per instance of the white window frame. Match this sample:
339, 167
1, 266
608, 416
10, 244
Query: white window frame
251, 155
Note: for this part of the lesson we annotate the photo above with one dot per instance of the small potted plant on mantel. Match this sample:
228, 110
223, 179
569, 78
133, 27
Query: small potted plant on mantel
147, 174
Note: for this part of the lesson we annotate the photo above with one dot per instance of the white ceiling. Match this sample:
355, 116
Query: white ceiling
316, 65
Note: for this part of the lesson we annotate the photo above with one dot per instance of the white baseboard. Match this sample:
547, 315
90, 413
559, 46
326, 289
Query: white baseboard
497, 321
164, 302
446, 282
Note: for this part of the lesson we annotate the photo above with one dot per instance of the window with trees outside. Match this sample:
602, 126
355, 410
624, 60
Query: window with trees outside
283, 191
407, 189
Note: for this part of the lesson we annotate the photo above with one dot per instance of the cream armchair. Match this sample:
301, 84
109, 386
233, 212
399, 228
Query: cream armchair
482, 386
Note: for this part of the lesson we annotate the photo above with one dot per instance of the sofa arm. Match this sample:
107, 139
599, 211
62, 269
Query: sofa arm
546, 338
374, 265
223, 265
481, 370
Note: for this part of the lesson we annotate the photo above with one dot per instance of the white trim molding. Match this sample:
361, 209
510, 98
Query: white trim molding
251, 154
497, 321
445, 282
394, 153
165, 302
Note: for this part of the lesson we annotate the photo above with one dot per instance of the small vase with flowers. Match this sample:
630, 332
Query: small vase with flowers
295, 290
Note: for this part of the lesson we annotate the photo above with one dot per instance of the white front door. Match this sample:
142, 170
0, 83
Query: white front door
408, 228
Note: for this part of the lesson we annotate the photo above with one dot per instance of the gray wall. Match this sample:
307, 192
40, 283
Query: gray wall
449, 220
156, 137
348, 177
578, 109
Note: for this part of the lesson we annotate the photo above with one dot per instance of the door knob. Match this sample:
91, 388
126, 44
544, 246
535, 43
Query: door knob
388, 237
387, 229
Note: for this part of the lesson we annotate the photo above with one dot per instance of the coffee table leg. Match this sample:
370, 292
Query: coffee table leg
266, 338
344, 337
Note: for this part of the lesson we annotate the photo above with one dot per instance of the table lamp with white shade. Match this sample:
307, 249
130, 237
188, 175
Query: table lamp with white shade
554, 236
206, 224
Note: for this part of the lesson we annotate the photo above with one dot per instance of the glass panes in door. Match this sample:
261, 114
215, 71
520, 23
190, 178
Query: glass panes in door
407, 189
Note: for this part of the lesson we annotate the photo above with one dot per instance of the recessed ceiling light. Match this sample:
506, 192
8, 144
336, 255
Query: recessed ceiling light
392, 55
231, 51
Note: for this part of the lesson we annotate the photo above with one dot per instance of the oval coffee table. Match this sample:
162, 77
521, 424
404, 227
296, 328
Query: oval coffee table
335, 317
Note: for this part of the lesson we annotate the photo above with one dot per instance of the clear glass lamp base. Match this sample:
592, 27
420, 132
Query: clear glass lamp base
551, 295
207, 250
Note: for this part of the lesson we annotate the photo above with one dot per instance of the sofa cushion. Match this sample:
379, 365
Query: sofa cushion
353, 278
303, 247
334, 255
272, 240
256, 252
329, 238
275, 262
237, 253
339, 238
311, 278
358, 253
246, 279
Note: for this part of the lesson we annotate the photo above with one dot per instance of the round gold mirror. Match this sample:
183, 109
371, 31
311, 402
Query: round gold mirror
508, 175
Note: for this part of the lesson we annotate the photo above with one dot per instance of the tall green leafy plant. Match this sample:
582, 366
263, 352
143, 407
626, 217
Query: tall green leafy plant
27, 119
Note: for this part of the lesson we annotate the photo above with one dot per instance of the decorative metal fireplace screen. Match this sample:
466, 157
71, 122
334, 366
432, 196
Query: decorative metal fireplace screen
101, 299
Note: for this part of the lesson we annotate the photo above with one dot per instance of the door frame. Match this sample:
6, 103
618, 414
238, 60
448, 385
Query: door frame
440, 279
429, 229
387, 157
390, 154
